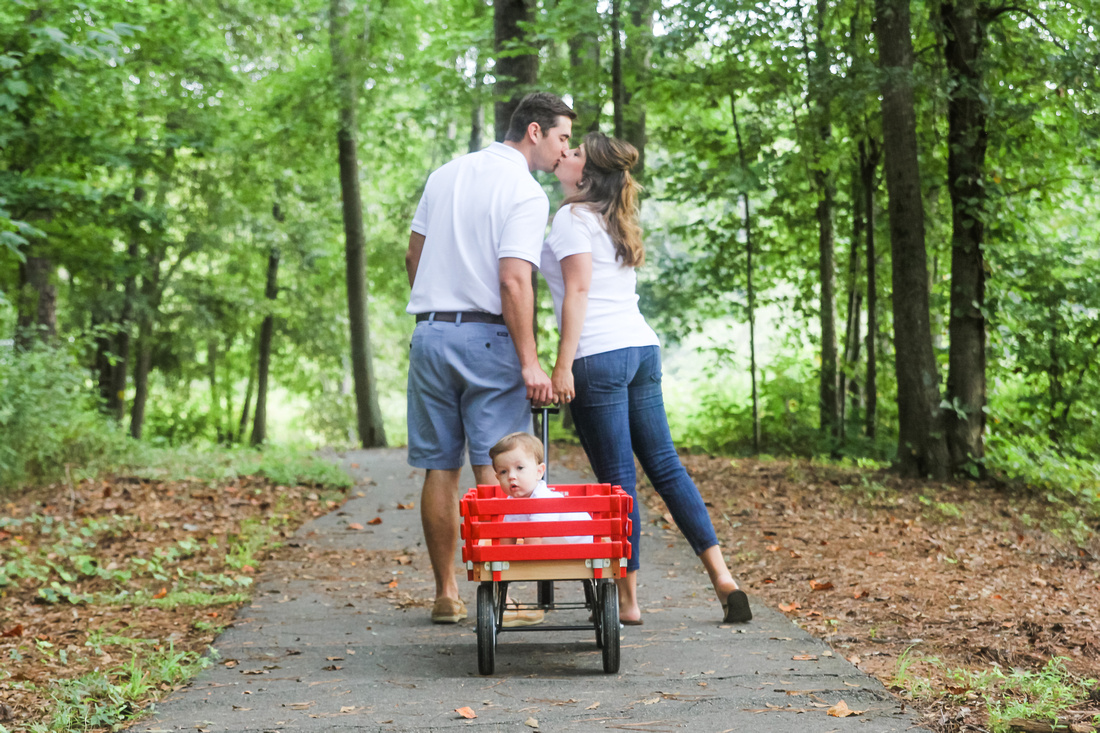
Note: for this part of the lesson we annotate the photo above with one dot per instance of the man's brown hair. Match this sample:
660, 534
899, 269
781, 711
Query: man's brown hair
541, 107
526, 441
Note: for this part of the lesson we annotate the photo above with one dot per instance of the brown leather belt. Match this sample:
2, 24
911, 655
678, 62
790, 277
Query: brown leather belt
461, 317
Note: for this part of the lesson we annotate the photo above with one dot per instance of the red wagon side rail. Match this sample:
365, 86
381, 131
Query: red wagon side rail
483, 513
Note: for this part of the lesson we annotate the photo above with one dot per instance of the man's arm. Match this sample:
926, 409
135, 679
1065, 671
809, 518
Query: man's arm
518, 304
412, 256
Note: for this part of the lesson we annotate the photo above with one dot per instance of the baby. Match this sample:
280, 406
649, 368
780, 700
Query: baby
519, 467
518, 463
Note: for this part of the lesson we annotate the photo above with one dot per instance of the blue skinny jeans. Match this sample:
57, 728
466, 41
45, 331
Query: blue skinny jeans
619, 412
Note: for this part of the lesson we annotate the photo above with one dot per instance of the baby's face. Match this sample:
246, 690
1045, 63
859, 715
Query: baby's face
518, 472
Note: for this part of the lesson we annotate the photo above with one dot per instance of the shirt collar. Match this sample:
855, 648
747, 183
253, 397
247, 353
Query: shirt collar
510, 153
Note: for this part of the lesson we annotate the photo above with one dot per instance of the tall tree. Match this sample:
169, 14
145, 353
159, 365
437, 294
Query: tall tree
639, 42
922, 447
369, 416
517, 65
967, 140
267, 329
820, 92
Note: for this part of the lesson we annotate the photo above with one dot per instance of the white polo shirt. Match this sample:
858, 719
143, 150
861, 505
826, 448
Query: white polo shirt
612, 320
475, 210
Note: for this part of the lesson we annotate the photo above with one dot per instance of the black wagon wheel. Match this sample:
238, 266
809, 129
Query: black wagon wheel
592, 604
486, 629
608, 612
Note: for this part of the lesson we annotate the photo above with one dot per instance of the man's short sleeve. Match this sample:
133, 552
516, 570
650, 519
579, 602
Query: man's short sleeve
420, 218
524, 229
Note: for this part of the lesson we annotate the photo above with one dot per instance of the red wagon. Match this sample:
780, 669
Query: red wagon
596, 564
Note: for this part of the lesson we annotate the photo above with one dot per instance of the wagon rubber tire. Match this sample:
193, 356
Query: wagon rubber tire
608, 612
486, 629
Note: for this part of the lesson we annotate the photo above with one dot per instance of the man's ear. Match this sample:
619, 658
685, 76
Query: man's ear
534, 132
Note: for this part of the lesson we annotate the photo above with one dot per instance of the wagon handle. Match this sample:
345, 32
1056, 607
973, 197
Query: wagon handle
544, 428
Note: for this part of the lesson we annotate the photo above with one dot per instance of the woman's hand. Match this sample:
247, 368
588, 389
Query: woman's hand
562, 379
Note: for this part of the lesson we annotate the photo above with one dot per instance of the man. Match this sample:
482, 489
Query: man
476, 236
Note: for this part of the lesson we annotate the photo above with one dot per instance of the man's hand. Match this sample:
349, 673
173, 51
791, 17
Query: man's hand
539, 388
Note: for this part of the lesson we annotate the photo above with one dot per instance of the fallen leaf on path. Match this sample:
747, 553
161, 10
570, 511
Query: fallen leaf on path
788, 607
355, 465
160, 593
375, 521
466, 712
14, 631
347, 709
332, 668
841, 710
651, 701
531, 723
392, 583
355, 525
334, 659
403, 560
805, 657
410, 505
593, 706
821, 585
298, 705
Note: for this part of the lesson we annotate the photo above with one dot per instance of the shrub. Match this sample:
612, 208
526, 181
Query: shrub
48, 418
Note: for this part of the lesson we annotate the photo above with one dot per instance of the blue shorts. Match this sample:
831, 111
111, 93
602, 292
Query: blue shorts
465, 387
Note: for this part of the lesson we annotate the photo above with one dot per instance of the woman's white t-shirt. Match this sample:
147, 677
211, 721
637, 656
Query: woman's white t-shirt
612, 320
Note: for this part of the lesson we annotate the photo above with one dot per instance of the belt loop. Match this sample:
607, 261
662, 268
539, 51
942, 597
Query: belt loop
431, 317
458, 318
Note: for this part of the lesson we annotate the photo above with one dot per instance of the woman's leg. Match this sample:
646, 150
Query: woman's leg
600, 413
652, 442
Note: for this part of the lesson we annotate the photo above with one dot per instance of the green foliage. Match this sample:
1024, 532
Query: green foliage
1041, 695
49, 423
106, 699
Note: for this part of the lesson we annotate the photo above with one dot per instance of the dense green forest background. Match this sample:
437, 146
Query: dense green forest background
872, 226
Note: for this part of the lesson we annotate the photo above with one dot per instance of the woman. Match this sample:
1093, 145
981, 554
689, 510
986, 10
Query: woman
609, 359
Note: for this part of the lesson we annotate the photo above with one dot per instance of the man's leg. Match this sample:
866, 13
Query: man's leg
439, 516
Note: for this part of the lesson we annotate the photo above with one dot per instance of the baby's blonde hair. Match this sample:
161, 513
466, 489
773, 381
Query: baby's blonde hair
525, 441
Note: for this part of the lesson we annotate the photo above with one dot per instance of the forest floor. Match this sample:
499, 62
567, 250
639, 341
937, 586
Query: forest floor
955, 596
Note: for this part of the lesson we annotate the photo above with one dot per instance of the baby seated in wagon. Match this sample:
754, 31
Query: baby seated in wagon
519, 466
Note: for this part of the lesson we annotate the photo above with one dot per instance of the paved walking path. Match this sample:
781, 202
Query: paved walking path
327, 646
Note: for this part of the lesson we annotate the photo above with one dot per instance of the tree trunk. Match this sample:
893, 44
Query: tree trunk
477, 111
267, 329
37, 320
868, 161
516, 73
117, 404
922, 447
639, 41
584, 66
371, 431
855, 301
820, 98
150, 287
751, 291
966, 144
215, 392
246, 410
618, 93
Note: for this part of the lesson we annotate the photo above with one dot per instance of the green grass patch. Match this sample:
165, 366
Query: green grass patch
1040, 695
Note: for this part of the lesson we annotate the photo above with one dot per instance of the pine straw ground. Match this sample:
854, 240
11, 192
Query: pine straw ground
912, 581
112, 590
907, 580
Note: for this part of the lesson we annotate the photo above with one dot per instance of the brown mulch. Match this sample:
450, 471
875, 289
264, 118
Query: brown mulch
44, 642
963, 576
